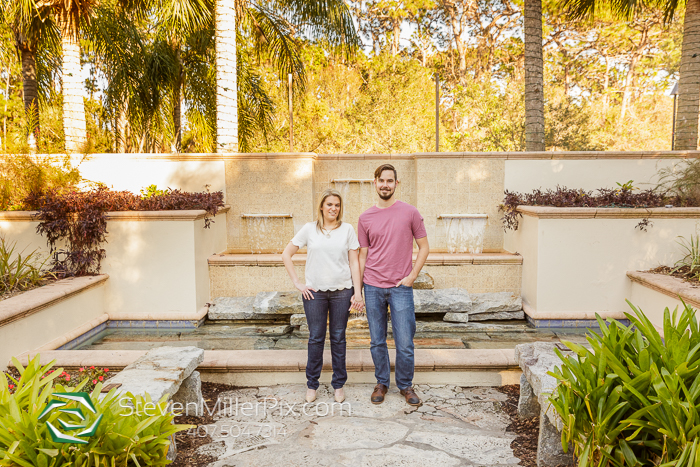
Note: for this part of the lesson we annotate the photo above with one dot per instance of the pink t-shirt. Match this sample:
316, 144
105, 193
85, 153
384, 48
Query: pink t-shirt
388, 234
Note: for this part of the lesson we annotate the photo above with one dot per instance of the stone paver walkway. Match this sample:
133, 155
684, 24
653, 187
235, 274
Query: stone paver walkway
272, 426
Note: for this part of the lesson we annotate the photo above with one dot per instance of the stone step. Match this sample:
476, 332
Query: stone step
466, 367
238, 275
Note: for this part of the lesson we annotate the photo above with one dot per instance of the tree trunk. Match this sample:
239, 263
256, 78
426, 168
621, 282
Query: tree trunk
689, 82
627, 87
177, 102
226, 84
72, 86
534, 81
396, 36
31, 100
121, 136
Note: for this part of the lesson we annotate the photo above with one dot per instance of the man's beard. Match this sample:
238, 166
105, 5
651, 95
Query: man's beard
385, 195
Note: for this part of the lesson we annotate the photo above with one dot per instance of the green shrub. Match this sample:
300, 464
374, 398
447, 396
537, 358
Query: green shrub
634, 400
120, 440
22, 174
20, 272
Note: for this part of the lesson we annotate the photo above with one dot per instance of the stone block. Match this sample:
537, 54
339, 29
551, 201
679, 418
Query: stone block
495, 302
189, 396
549, 449
297, 320
497, 316
159, 372
453, 300
281, 303
536, 360
172, 449
528, 406
424, 281
234, 308
456, 317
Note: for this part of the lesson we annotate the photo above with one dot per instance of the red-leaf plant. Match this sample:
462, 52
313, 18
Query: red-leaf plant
77, 221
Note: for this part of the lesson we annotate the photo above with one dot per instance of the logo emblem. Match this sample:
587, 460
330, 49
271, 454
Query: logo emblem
82, 398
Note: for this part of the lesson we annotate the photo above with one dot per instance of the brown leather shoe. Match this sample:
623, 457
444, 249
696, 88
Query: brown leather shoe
378, 394
411, 397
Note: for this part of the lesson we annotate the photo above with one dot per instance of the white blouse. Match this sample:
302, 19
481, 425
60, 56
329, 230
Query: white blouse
327, 264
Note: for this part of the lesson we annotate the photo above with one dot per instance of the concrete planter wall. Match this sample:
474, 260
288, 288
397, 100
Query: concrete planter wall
575, 259
653, 293
156, 260
49, 316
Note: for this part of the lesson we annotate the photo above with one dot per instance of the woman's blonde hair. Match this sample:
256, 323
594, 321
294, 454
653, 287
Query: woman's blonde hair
339, 219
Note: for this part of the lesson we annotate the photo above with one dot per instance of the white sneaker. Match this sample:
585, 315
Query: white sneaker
310, 395
339, 395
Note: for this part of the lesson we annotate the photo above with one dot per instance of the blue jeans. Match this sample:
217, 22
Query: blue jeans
330, 306
403, 324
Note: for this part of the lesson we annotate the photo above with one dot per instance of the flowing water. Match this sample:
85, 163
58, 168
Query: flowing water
465, 235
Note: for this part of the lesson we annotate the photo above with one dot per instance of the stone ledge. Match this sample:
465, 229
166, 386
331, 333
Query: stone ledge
35, 300
549, 212
263, 361
570, 315
668, 285
434, 259
171, 215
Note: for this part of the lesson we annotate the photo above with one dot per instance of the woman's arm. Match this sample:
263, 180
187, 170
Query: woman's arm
354, 258
287, 254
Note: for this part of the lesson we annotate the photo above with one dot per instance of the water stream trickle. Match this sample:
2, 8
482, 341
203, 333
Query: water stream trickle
265, 234
465, 235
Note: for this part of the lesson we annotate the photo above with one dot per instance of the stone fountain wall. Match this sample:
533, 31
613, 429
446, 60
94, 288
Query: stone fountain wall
292, 184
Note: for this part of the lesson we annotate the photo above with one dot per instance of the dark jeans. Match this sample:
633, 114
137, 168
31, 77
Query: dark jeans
331, 306
403, 325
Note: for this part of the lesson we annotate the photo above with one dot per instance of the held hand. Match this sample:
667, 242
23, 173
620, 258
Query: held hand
305, 291
357, 303
407, 281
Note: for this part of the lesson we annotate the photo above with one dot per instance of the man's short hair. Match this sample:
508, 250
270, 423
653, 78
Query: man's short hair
382, 168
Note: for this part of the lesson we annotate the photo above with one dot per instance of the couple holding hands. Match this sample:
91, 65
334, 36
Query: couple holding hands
337, 267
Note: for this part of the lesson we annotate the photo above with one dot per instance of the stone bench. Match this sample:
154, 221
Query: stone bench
165, 370
536, 360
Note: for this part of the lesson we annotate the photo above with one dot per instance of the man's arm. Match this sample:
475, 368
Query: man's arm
423, 250
363, 261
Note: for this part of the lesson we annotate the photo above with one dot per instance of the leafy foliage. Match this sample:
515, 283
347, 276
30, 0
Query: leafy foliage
20, 272
691, 257
634, 399
22, 174
75, 223
683, 180
124, 436
622, 197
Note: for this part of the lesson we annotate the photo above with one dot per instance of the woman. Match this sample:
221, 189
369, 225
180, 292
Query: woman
332, 287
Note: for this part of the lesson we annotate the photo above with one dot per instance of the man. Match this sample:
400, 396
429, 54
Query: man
386, 232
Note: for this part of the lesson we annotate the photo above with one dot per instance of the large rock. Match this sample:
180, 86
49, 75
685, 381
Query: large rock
224, 308
424, 281
161, 371
497, 316
280, 303
495, 302
453, 300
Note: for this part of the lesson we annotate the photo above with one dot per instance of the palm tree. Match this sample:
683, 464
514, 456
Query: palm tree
32, 27
176, 19
272, 28
689, 81
534, 81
